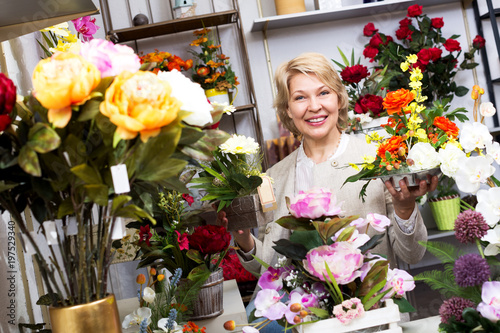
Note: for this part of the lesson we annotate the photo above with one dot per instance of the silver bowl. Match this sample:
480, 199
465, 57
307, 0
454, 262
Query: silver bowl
412, 178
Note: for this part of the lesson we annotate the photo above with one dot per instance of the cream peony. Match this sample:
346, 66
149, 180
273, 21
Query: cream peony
474, 135
424, 156
240, 144
449, 157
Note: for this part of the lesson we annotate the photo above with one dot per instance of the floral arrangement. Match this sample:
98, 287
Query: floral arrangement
418, 34
163, 61
234, 172
212, 69
416, 132
366, 91
233, 270
159, 308
81, 150
328, 269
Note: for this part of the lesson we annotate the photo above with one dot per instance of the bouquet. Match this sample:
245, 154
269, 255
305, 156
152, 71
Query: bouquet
163, 61
366, 98
212, 69
438, 56
416, 132
83, 153
234, 172
328, 269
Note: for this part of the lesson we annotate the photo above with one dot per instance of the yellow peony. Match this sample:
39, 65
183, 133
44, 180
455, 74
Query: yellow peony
63, 80
139, 103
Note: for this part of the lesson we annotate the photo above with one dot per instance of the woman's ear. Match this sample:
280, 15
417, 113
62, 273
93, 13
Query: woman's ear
288, 112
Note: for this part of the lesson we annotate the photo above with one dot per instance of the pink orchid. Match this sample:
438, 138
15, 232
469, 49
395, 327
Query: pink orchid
357, 239
183, 240
299, 296
272, 279
400, 282
85, 26
378, 222
268, 304
490, 305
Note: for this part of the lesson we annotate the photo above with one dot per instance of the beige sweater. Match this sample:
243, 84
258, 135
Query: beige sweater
332, 174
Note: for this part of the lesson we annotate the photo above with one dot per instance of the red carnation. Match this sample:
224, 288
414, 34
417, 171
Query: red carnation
369, 29
404, 33
376, 40
4, 121
209, 239
437, 22
354, 74
415, 10
452, 45
370, 52
369, 103
7, 100
478, 42
435, 53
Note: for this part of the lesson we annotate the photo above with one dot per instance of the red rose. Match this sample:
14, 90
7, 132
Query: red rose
388, 39
404, 33
354, 74
452, 45
4, 121
376, 40
369, 29
424, 56
369, 103
189, 199
7, 94
420, 65
437, 22
478, 42
209, 239
404, 22
435, 53
370, 52
415, 10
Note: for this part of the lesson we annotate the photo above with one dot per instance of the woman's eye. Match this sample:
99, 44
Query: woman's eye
298, 98
325, 92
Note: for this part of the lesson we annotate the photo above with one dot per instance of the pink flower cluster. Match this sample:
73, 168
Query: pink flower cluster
314, 203
348, 310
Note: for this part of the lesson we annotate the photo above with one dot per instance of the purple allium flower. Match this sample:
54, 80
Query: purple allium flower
469, 226
454, 307
471, 270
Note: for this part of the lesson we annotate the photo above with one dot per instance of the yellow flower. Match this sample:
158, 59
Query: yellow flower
139, 103
404, 66
60, 29
415, 85
421, 135
416, 75
420, 98
63, 80
354, 166
412, 58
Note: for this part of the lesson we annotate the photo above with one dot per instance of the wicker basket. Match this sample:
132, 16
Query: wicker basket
445, 211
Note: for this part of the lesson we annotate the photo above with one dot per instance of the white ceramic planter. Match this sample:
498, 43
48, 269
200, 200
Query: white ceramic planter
387, 317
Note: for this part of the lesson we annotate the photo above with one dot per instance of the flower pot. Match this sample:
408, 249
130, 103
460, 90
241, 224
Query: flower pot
445, 211
384, 319
209, 302
219, 96
98, 316
244, 212
289, 6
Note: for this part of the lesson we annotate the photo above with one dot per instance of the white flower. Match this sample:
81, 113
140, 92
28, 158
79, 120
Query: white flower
191, 95
149, 295
364, 118
136, 317
488, 204
240, 144
474, 135
493, 150
449, 157
487, 109
162, 324
424, 156
351, 114
472, 172
60, 29
493, 238
224, 107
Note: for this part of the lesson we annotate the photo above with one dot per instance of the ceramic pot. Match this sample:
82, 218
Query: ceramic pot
219, 96
284, 7
98, 316
445, 211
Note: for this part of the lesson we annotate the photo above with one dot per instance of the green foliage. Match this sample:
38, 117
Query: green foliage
473, 322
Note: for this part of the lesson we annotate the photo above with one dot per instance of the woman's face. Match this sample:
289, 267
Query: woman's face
313, 107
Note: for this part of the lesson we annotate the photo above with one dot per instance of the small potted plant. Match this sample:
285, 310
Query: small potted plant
164, 61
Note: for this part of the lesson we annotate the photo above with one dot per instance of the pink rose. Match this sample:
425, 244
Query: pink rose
109, 58
314, 203
343, 259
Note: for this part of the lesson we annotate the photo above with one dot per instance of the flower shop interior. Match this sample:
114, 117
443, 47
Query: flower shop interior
252, 38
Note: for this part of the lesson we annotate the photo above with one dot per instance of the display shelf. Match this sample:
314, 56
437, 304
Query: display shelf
433, 233
173, 26
320, 16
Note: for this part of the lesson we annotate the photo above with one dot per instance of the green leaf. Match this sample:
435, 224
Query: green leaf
65, 208
5, 187
163, 170
294, 251
42, 138
28, 161
404, 305
87, 173
292, 223
134, 212
119, 201
195, 255
461, 91
89, 110
98, 193
310, 239
320, 313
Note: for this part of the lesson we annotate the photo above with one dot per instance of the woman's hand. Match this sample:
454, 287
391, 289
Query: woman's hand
242, 237
404, 199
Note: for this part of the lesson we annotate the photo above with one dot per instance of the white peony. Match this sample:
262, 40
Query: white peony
493, 238
474, 135
136, 317
191, 95
472, 172
240, 144
424, 156
487, 109
149, 295
449, 157
493, 150
488, 204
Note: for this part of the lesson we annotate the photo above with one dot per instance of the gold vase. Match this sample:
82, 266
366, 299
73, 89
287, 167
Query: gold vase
98, 316
284, 7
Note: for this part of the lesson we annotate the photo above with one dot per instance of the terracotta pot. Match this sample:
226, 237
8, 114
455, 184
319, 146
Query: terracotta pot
209, 303
98, 316
289, 6
244, 212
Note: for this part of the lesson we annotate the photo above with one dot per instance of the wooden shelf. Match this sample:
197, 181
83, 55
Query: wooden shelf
173, 26
320, 16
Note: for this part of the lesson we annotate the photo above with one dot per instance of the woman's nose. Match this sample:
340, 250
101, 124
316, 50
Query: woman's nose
314, 104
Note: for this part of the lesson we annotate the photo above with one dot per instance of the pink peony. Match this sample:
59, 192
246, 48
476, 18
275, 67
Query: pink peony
490, 305
378, 222
343, 259
314, 203
109, 58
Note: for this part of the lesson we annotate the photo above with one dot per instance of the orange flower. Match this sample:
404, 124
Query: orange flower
213, 78
392, 146
447, 126
214, 46
222, 56
189, 64
201, 32
214, 64
394, 101
199, 41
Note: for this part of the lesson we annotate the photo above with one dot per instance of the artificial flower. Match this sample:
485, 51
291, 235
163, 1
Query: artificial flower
398, 100
145, 234
314, 203
378, 222
469, 226
452, 45
163, 323
414, 10
453, 308
424, 157
369, 29
137, 317
474, 135
368, 103
349, 310
240, 145
298, 298
7, 100
490, 305
493, 151
472, 172
488, 204
60, 29
471, 270
271, 279
493, 238
437, 22
267, 304
139, 103
478, 42
449, 157
149, 295
209, 239
86, 27
354, 74
487, 109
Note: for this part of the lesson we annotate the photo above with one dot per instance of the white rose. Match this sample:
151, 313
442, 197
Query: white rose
487, 109
474, 135
424, 156
449, 157
191, 95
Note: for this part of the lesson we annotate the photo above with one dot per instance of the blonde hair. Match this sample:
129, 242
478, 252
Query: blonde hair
308, 63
